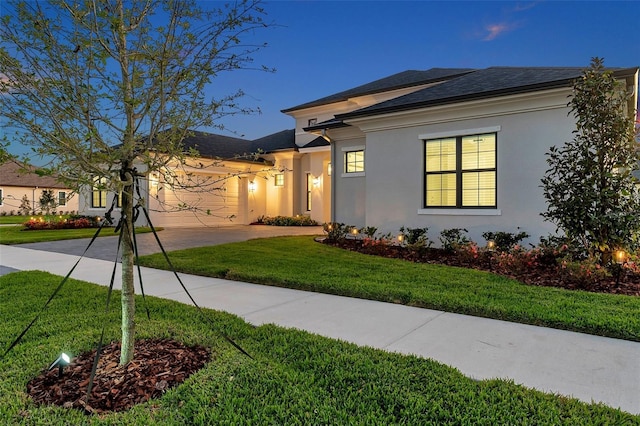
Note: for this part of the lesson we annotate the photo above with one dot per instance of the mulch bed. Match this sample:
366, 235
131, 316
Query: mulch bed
547, 273
158, 365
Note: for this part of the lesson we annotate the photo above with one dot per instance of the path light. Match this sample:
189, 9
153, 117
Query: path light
354, 231
491, 246
400, 238
620, 257
62, 361
316, 182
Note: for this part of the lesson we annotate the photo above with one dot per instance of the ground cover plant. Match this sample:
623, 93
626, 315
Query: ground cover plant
294, 378
302, 263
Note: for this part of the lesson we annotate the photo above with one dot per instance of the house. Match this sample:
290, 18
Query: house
18, 181
235, 185
447, 148
441, 148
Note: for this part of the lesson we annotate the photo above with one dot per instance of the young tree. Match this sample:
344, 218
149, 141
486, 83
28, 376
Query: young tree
590, 187
110, 88
47, 201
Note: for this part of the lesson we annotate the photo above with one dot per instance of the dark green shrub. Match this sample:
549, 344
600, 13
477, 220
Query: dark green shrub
505, 241
336, 231
299, 220
416, 237
453, 238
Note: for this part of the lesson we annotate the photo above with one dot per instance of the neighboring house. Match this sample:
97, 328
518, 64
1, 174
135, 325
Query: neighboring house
239, 188
447, 148
18, 181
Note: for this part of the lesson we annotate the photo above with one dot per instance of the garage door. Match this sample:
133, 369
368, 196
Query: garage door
215, 204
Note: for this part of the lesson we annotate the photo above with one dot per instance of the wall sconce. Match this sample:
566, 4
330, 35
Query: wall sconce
252, 186
316, 182
154, 178
62, 361
329, 169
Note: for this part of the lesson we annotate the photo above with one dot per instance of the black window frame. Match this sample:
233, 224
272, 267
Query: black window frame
459, 173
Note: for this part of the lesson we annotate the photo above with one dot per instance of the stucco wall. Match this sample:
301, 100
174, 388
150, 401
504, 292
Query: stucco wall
12, 199
392, 189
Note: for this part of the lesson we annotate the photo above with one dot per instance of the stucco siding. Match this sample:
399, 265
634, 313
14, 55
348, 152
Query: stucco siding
394, 180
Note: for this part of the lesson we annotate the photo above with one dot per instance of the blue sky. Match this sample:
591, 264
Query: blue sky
323, 47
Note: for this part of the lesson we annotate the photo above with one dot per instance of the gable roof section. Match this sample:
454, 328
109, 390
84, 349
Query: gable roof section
279, 141
13, 173
213, 145
396, 81
481, 84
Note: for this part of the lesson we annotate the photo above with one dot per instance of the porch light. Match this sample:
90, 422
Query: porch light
62, 361
252, 186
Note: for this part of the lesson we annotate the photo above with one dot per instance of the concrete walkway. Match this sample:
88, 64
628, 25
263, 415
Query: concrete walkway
586, 367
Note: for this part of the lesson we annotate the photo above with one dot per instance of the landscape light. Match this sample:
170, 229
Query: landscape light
62, 361
491, 245
620, 256
400, 238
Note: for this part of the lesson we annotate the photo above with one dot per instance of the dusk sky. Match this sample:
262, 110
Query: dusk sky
324, 47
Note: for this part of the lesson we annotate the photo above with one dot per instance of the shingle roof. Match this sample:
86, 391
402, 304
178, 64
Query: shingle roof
317, 142
12, 173
283, 140
395, 81
213, 145
490, 82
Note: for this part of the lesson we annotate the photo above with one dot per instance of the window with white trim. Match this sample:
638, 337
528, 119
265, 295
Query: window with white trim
354, 161
99, 194
62, 198
460, 172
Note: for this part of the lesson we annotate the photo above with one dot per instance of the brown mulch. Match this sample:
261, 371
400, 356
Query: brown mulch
158, 364
546, 274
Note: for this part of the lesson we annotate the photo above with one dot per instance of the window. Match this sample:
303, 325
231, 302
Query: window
278, 179
62, 198
309, 188
312, 122
460, 171
354, 161
99, 196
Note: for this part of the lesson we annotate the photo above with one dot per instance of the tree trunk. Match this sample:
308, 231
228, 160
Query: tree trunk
128, 289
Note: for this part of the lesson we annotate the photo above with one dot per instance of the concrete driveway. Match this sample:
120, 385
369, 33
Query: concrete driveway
104, 248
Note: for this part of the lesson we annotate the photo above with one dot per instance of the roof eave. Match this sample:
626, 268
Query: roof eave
458, 99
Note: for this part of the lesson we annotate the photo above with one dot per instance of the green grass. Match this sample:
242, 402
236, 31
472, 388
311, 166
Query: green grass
17, 234
301, 263
13, 220
296, 378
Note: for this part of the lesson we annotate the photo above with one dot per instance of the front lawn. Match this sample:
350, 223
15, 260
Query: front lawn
296, 378
18, 235
301, 263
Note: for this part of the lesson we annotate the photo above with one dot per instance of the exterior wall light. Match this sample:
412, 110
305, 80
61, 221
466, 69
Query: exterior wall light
252, 186
62, 361
316, 182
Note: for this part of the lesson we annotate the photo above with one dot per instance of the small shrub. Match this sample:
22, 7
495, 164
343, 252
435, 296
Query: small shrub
453, 238
584, 273
369, 231
299, 220
416, 237
336, 231
505, 241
